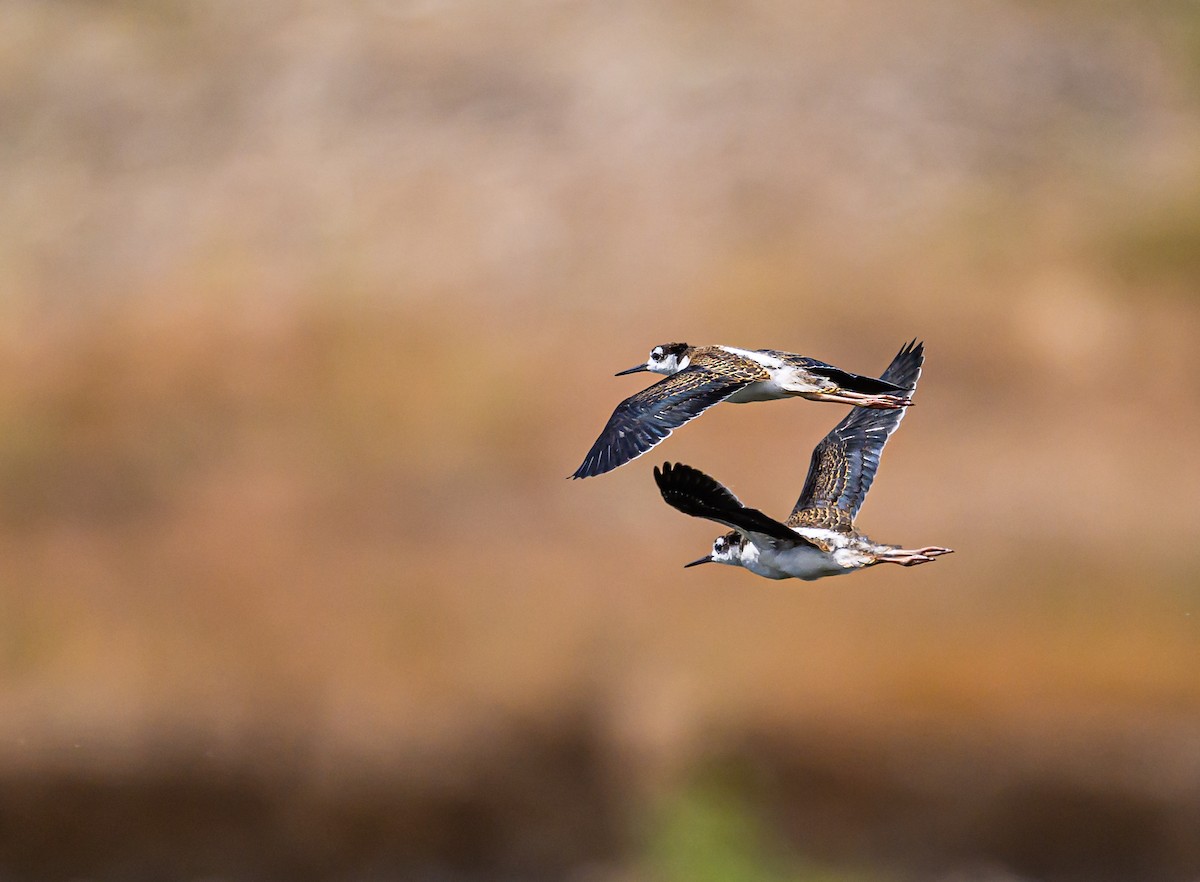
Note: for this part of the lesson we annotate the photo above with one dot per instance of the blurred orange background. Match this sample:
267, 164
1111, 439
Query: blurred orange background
307, 310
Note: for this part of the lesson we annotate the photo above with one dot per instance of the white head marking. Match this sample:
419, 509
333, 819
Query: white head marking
669, 358
727, 549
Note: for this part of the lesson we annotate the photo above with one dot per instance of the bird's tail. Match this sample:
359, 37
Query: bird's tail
893, 388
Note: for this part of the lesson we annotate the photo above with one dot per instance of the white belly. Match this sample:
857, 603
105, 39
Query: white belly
759, 568
803, 562
767, 390
784, 382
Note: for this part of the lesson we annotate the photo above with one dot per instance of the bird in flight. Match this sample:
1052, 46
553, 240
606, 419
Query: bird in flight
700, 376
819, 538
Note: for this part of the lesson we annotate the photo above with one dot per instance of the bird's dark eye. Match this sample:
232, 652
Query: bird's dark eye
656, 354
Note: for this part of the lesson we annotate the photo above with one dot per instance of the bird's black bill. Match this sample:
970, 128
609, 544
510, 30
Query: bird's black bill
632, 370
706, 559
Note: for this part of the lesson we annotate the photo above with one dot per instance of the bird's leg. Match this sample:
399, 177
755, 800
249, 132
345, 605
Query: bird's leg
910, 557
860, 399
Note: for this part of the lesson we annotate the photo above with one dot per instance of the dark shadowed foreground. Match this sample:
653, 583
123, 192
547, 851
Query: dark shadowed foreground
550, 802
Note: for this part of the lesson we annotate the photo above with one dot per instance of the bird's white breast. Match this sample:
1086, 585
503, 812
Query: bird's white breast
751, 559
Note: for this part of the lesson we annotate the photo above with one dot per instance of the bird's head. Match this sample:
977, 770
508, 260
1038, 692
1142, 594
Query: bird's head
666, 358
726, 549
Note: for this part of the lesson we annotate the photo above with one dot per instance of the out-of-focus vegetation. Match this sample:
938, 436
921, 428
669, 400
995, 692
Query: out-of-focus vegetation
707, 832
306, 313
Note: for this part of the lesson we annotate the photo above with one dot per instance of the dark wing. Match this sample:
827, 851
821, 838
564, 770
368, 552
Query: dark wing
845, 379
844, 463
695, 493
645, 419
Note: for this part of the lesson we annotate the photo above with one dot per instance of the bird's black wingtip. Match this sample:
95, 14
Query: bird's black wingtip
586, 470
670, 472
905, 369
596, 465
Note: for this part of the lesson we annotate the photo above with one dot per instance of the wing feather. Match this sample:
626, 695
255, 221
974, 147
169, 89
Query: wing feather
644, 420
844, 464
694, 493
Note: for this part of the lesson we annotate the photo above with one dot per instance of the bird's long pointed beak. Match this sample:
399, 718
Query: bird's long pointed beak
632, 370
706, 559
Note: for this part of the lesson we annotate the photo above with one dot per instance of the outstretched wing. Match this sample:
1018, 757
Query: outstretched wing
645, 419
844, 463
694, 493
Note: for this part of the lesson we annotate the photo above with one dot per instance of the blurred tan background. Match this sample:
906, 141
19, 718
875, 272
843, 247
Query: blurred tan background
306, 311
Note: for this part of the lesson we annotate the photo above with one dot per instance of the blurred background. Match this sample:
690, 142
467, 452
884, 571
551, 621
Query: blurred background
307, 310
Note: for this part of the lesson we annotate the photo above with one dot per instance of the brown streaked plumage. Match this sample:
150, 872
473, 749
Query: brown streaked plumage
819, 538
844, 464
700, 376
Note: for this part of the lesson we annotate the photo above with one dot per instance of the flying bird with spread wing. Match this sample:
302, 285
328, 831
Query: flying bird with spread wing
699, 377
820, 538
